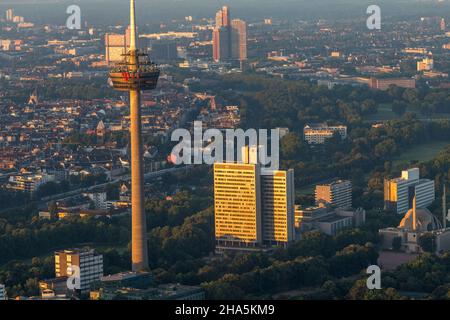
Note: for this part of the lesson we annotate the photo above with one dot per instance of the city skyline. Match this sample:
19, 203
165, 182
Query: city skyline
244, 151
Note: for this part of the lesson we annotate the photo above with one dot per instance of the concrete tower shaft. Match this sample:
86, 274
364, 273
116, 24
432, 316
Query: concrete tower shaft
134, 74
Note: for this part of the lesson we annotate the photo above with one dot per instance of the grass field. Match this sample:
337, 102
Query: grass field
385, 113
421, 153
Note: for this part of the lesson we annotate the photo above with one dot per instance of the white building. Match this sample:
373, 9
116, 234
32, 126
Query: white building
99, 199
399, 192
319, 133
2, 292
337, 193
89, 264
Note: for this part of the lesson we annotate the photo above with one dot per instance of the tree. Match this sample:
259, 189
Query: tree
397, 243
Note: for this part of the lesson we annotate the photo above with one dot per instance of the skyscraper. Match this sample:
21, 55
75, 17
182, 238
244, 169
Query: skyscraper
278, 208
252, 209
135, 74
9, 15
237, 204
229, 37
239, 40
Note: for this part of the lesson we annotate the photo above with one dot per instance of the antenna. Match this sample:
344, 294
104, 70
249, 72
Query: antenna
132, 26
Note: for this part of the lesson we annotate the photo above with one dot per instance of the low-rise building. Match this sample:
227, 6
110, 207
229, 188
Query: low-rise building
319, 133
328, 220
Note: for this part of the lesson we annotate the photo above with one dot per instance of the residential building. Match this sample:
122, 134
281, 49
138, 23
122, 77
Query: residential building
319, 133
426, 64
384, 84
337, 193
90, 265
399, 192
28, 182
99, 200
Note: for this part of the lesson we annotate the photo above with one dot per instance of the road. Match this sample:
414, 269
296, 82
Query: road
147, 176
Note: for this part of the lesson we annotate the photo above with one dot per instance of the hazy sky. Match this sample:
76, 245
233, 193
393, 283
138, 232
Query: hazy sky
115, 11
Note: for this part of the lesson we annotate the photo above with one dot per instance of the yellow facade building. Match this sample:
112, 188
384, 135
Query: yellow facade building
237, 204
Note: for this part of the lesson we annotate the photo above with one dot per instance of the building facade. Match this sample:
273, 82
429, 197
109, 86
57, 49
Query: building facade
252, 210
320, 133
229, 37
337, 193
2, 292
237, 204
278, 197
399, 192
89, 264
384, 84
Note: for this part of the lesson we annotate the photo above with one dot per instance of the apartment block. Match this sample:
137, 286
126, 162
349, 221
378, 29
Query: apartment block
337, 194
384, 84
87, 261
319, 133
399, 192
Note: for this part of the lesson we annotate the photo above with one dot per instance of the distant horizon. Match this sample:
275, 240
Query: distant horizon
114, 12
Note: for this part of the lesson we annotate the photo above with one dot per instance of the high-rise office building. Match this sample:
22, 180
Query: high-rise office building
223, 17
252, 209
89, 264
2, 292
399, 192
229, 37
115, 45
134, 74
337, 194
239, 40
9, 15
237, 204
278, 208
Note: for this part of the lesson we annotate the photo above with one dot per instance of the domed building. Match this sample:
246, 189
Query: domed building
416, 223
425, 221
